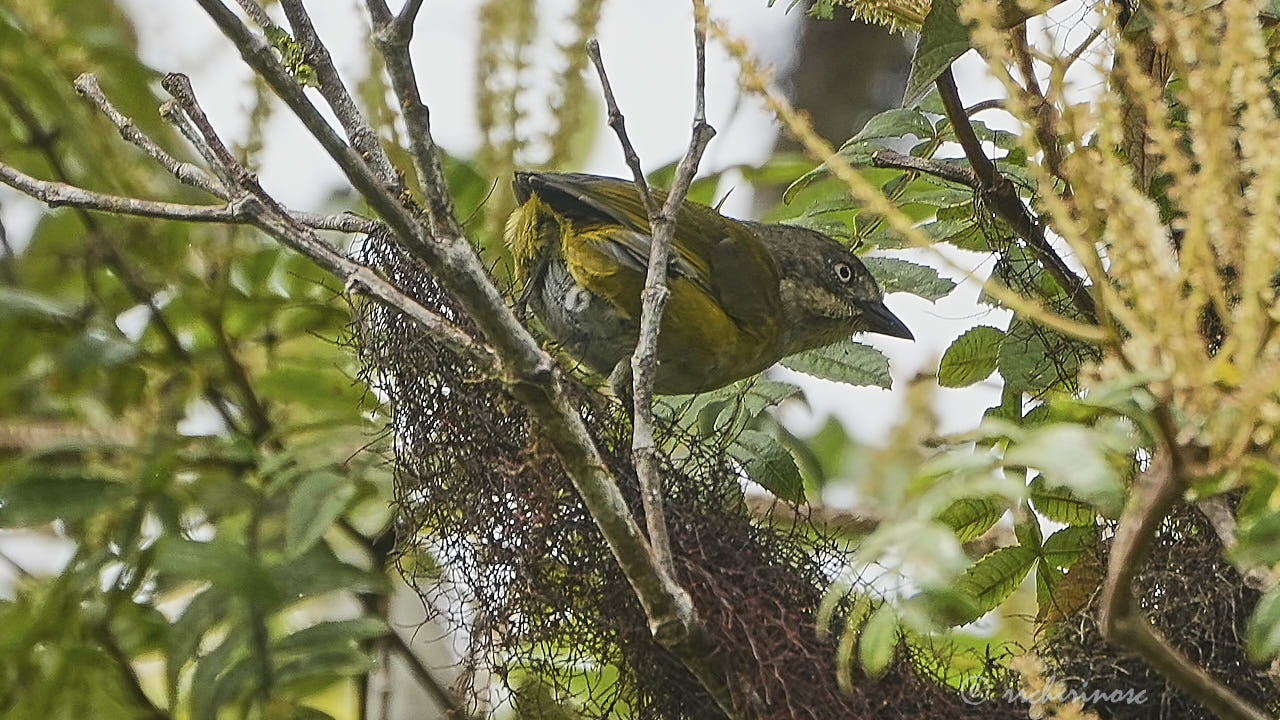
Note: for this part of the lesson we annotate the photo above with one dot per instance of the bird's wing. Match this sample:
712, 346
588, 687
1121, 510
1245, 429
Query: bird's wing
719, 255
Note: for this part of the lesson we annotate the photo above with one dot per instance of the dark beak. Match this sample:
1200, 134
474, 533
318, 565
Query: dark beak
878, 319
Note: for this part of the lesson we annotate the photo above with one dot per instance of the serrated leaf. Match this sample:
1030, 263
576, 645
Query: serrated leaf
971, 358
1063, 548
39, 498
994, 577
315, 503
878, 640
1027, 529
895, 275
1058, 504
846, 361
769, 464
943, 38
969, 518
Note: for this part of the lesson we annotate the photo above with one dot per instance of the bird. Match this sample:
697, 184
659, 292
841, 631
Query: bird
743, 294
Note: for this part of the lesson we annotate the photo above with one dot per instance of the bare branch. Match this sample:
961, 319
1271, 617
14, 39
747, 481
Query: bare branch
619, 124
392, 37
653, 302
335, 93
1153, 495
944, 170
1001, 196
531, 375
87, 85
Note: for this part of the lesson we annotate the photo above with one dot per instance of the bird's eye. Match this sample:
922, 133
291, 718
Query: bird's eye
844, 272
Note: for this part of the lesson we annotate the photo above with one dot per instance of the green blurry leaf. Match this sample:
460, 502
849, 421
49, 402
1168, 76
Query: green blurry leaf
206, 610
969, 518
1262, 638
943, 38
37, 498
1073, 457
994, 577
1058, 504
846, 361
316, 671
317, 501
878, 640
1258, 539
971, 358
896, 275
1063, 548
30, 305
331, 634
768, 463
225, 565
210, 667
894, 123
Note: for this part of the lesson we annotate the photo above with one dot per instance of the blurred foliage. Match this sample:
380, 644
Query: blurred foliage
177, 409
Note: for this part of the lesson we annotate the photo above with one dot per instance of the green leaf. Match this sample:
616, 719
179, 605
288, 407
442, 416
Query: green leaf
205, 610
995, 577
768, 463
1262, 638
316, 671
317, 501
878, 640
943, 38
896, 275
211, 666
971, 358
894, 123
969, 518
223, 564
1073, 457
1058, 504
1063, 548
319, 571
39, 498
1027, 529
331, 634
846, 361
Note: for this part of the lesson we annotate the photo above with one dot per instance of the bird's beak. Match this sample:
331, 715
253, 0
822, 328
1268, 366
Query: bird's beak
879, 320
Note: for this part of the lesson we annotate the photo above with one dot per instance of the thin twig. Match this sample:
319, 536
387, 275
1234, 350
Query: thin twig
950, 172
618, 122
392, 35
87, 85
1001, 196
359, 132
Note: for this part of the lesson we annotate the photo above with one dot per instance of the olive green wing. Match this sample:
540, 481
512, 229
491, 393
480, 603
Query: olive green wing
718, 254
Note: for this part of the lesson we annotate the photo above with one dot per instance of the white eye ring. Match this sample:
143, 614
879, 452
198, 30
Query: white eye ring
844, 272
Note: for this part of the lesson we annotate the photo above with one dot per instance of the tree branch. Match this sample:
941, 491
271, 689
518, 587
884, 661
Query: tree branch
392, 35
1122, 623
1000, 195
531, 375
939, 169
